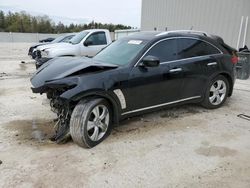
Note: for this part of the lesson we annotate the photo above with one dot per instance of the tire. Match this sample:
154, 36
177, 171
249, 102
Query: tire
87, 129
216, 93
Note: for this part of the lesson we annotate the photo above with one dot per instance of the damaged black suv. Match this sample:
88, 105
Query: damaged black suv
134, 75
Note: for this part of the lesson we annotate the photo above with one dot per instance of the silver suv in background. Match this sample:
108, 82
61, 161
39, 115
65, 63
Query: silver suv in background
63, 38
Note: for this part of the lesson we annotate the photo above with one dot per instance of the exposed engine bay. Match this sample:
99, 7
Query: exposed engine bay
63, 111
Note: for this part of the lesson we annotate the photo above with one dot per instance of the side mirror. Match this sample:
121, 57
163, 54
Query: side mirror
88, 43
150, 61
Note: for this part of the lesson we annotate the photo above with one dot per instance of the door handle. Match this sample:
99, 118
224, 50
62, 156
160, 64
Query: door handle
211, 64
175, 70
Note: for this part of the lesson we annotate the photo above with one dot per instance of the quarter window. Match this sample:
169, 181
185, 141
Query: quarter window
165, 50
188, 48
97, 39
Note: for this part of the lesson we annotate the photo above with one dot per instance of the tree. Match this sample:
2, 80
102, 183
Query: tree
2, 21
23, 22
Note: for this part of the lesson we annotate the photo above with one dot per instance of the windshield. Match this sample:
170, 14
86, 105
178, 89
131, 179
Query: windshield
121, 52
58, 39
78, 38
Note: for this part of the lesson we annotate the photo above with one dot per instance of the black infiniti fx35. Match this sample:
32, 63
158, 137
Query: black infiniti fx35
134, 75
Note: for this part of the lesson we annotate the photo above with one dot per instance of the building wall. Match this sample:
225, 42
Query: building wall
221, 17
30, 37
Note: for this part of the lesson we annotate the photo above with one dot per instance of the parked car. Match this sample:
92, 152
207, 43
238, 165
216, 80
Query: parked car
132, 76
64, 38
47, 40
85, 43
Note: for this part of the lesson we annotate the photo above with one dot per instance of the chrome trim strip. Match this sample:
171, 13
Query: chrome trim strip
160, 105
121, 98
175, 70
167, 62
213, 63
179, 59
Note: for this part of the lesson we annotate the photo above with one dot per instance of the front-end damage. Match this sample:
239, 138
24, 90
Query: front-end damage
61, 106
63, 111
59, 77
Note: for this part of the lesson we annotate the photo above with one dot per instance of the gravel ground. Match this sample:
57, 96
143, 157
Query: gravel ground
187, 146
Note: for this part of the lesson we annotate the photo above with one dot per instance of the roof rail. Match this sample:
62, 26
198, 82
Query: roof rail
183, 31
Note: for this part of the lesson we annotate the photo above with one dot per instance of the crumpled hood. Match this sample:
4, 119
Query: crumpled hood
55, 45
62, 67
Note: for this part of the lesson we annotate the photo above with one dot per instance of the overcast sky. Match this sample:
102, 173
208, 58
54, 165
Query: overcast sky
127, 12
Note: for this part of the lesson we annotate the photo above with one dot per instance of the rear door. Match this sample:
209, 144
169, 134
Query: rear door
198, 60
97, 41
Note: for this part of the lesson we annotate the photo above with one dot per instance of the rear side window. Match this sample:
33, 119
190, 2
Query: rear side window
165, 50
97, 39
188, 48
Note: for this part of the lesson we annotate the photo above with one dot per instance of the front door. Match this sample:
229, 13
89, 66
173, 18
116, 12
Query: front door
151, 87
95, 43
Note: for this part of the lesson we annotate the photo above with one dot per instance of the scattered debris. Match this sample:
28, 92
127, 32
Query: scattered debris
158, 146
169, 114
243, 116
3, 74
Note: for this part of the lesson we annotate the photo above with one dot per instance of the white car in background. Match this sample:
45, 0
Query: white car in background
86, 43
61, 39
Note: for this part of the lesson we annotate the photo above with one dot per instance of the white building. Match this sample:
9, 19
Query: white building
226, 18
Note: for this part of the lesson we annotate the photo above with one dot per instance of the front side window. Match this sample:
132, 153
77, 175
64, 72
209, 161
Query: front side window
67, 39
97, 39
78, 37
58, 39
188, 48
165, 50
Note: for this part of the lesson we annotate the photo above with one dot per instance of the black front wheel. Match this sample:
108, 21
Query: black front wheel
91, 122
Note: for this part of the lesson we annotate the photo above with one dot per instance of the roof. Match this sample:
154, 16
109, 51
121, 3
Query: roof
151, 35
94, 30
145, 35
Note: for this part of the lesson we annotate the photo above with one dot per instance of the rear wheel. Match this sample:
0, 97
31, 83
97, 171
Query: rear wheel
216, 93
91, 122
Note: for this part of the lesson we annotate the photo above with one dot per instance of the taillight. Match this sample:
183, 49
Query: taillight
235, 60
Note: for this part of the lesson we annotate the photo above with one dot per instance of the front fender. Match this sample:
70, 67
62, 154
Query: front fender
63, 52
109, 96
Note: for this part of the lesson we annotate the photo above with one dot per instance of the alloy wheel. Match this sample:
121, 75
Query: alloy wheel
98, 122
217, 92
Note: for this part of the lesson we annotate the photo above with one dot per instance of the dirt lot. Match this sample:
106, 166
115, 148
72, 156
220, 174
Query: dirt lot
186, 146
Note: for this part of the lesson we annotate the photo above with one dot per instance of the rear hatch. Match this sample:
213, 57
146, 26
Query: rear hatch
232, 51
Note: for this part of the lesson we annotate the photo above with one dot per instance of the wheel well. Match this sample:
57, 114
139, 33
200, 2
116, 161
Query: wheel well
230, 81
